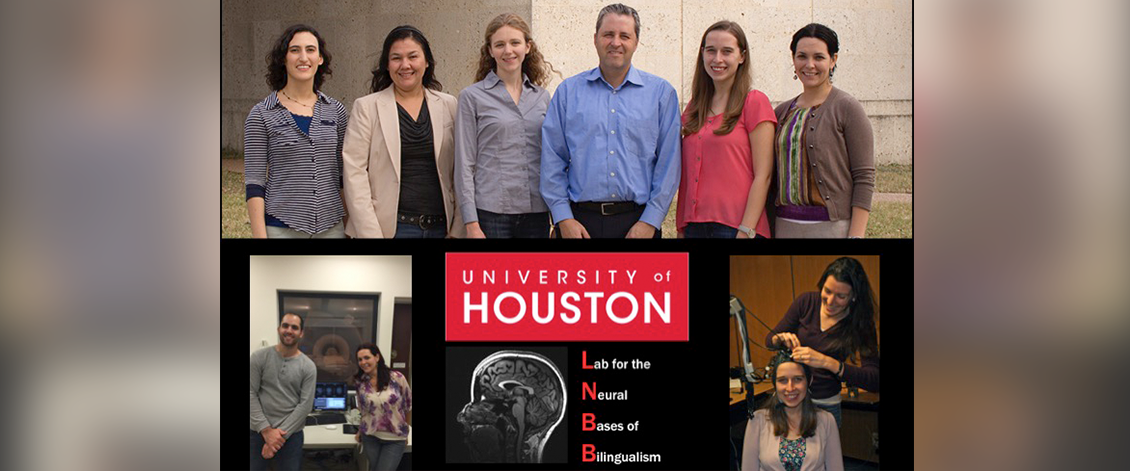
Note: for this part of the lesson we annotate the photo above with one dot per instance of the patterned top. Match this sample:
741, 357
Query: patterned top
384, 414
792, 453
797, 194
298, 174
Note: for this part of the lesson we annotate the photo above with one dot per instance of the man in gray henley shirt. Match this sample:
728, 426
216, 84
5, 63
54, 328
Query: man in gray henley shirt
282, 394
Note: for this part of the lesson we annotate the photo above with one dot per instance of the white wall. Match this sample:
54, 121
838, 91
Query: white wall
391, 276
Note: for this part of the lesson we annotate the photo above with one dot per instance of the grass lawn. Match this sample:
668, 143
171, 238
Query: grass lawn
889, 219
894, 178
232, 204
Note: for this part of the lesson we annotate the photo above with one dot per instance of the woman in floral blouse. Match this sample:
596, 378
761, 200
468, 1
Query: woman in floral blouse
789, 433
384, 398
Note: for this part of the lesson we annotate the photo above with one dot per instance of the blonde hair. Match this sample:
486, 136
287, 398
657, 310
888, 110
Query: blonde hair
536, 68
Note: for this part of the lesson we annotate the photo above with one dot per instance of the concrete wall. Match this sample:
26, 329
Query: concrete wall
354, 31
876, 47
874, 63
389, 275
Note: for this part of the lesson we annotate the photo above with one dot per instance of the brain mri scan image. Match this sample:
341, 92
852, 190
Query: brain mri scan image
517, 400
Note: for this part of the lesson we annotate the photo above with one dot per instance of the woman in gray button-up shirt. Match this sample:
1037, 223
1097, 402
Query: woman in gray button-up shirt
498, 136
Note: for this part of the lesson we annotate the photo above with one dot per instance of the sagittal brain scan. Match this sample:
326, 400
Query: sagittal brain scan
517, 400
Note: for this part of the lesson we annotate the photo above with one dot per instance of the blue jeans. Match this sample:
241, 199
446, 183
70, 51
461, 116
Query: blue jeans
836, 412
711, 230
288, 458
514, 226
413, 231
383, 455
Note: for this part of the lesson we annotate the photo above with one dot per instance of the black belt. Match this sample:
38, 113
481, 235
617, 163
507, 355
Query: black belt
424, 221
607, 209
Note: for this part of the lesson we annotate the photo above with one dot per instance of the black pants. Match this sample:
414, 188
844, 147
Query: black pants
614, 226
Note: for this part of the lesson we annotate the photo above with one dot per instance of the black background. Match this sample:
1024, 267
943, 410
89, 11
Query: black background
680, 402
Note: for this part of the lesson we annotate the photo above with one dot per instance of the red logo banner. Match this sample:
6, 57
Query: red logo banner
550, 297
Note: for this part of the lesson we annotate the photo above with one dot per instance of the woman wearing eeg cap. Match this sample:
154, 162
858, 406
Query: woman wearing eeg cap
789, 433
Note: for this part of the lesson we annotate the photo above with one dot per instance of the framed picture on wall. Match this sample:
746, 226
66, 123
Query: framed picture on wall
334, 325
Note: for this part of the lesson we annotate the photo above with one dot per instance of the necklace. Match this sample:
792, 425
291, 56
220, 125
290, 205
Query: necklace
296, 101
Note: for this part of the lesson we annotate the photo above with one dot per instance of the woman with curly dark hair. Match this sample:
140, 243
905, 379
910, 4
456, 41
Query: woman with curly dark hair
292, 144
498, 136
825, 329
384, 398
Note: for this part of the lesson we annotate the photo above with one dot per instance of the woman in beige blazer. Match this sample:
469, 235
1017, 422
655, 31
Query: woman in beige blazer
398, 154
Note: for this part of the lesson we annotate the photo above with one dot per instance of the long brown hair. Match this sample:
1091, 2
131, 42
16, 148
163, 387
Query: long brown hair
536, 68
776, 407
703, 86
856, 333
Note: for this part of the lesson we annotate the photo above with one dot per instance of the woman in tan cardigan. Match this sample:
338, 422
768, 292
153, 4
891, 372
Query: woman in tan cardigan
824, 147
790, 433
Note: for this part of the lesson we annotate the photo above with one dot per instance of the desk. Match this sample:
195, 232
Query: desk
738, 411
318, 437
737, 396
860, 425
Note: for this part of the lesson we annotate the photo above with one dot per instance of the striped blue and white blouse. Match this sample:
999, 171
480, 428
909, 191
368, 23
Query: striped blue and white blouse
298, 174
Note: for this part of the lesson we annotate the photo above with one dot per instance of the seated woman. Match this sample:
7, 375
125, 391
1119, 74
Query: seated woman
789, 433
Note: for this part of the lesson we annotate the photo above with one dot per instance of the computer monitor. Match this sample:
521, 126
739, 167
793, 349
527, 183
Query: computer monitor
330, 397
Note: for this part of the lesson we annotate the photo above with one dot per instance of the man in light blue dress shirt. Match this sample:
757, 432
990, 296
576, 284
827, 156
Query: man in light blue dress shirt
610, 141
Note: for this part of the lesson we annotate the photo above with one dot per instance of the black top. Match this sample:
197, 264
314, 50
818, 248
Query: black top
420, 193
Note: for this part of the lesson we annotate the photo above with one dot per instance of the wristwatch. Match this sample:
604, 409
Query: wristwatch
749, 232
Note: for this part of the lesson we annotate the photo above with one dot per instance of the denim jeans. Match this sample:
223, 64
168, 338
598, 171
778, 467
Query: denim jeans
413, 231
288, 458
836, 412
712, 230
383, 455
709, 230
514, 226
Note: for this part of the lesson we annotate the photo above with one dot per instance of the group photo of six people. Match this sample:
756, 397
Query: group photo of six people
603, 157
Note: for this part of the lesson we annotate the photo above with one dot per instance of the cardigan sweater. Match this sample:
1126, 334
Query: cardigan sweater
841, 147
761, 449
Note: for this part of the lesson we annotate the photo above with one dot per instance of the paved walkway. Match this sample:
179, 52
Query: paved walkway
894, 197
232, 165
